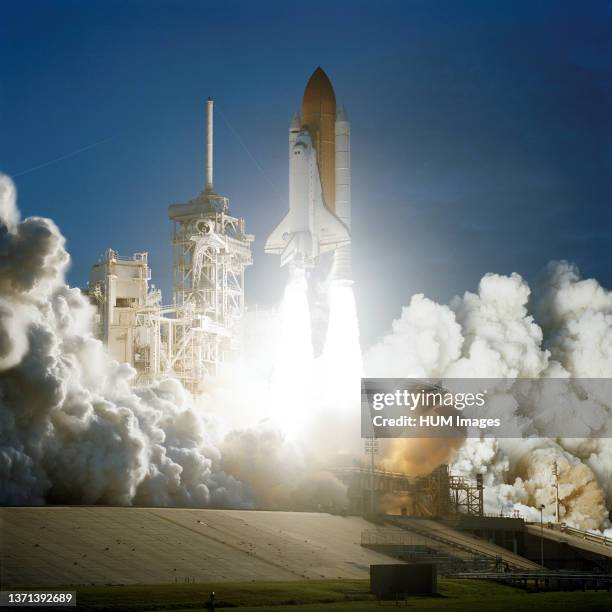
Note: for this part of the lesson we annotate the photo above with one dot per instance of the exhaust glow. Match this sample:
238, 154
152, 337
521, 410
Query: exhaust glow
341, 359
291, 389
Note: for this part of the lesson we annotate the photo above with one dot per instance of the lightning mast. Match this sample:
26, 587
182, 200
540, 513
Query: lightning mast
210, 253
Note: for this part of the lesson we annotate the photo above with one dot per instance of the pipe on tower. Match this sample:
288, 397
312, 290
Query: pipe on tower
209, 145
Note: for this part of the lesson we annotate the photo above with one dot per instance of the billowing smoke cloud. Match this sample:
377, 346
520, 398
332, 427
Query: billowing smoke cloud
281, 474
491, 334
72, 429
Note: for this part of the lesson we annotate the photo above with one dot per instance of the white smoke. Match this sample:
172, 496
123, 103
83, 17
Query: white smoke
72, 429
491, 334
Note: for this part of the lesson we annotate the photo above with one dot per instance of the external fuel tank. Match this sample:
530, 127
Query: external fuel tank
319, 118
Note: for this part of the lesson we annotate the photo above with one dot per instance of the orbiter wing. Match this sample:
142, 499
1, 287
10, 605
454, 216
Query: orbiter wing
277, 240
332, 232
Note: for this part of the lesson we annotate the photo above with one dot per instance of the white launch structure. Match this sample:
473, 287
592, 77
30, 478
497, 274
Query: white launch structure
200, 330
211, 252
119, 287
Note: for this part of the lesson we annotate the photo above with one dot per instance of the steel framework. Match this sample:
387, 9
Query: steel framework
210, 253
437, 494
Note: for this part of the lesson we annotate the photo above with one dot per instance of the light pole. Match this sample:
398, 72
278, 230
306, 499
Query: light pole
542, 535
556, 475
371, 448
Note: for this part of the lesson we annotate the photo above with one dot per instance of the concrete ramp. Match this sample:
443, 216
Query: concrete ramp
51, 546
583, 540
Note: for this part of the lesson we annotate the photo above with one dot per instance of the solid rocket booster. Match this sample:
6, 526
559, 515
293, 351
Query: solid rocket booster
319, 184
342, 269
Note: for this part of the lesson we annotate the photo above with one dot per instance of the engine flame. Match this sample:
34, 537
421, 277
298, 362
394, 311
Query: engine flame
291, 386
341, 363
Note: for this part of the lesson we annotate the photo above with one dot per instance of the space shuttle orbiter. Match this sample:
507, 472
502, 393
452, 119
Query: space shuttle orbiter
318, 219
309, 228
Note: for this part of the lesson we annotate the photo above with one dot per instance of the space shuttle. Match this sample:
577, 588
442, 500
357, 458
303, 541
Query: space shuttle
318, 219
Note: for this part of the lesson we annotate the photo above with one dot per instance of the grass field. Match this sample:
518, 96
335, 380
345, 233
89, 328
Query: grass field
332, 595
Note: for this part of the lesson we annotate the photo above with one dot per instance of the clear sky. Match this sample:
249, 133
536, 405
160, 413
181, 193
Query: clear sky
481, 131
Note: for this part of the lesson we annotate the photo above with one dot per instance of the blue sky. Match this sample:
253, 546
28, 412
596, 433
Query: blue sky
480, 130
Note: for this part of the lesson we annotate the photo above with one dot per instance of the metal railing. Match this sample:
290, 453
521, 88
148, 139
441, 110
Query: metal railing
449, 559
579, 533
548, 580
374, 537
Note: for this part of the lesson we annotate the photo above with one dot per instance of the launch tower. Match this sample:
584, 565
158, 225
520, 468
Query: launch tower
210, 253
200, 329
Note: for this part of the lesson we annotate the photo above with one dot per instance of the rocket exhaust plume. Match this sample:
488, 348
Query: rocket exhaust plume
341, 357
291, 391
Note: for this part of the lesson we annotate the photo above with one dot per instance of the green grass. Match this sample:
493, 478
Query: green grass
332, 595
227, 594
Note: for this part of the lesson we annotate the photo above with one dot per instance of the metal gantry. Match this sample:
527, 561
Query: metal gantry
437, 494
210, 252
